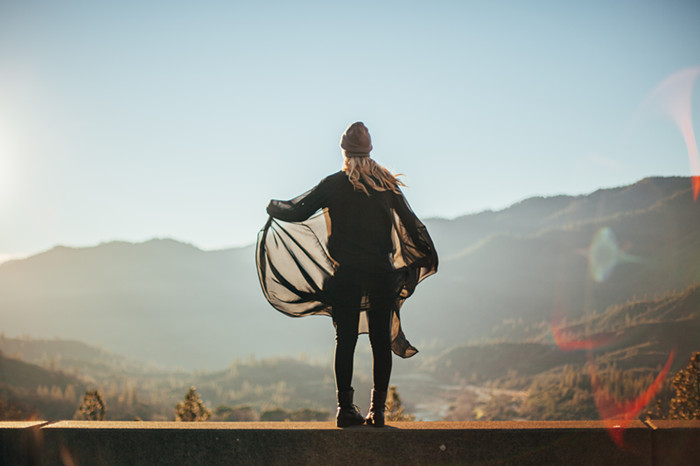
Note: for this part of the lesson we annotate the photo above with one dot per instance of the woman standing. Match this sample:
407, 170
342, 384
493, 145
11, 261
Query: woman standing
356, 261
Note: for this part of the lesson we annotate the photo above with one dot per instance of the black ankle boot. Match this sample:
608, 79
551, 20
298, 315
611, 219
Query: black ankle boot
348, 415
375, 416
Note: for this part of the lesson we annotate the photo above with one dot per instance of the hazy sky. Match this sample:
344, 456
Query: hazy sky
132, 120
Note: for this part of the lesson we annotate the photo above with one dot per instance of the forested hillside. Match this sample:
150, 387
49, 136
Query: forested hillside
531, 304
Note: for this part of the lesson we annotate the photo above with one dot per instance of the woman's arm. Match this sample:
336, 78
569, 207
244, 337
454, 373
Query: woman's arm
301, 207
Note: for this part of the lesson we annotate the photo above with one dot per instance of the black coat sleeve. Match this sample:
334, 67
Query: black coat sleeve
301, 207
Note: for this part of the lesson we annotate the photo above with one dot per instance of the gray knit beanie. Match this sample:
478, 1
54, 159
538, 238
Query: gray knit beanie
356, 141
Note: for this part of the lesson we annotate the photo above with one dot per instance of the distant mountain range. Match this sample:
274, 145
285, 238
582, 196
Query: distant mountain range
628, 344
27, 390
633, 336
545, 259
541, 261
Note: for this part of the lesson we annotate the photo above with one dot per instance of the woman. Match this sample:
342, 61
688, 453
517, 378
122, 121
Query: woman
356, 261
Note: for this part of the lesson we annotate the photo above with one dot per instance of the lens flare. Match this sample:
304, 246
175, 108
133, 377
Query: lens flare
564, 341
617, 415
564, 338
605, 254
673, 97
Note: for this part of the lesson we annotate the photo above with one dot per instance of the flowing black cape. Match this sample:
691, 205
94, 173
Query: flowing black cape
295, 268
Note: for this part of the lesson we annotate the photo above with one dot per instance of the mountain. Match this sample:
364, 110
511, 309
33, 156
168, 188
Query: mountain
27, 390
46, 379
556, 371
636, 335
541, 260
92, 364
160, 301
546, 269
537, 214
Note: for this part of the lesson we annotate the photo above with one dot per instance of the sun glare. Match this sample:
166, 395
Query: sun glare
6, 168
673, 97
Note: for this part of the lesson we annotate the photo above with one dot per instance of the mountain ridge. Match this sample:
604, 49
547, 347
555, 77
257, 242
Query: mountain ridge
177, 305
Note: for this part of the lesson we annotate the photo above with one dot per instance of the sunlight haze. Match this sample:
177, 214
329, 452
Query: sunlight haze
134, 120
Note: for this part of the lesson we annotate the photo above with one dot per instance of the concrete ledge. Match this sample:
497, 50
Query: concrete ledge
676, 442
18, 441
270, 443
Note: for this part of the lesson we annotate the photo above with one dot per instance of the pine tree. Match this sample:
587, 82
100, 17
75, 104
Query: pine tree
686, 403
394, 409
92, 407
192, 409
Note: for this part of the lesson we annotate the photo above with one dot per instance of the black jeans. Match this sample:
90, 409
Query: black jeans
346, 320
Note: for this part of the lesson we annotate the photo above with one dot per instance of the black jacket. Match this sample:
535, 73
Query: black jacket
298, 253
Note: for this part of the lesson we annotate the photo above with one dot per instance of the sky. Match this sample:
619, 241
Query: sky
132, 120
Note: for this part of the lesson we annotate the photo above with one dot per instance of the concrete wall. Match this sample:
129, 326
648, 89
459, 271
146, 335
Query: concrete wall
499, 443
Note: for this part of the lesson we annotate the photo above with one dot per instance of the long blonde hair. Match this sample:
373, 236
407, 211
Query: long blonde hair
363, 172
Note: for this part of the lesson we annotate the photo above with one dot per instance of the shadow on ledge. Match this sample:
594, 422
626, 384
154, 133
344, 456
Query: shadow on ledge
270, 443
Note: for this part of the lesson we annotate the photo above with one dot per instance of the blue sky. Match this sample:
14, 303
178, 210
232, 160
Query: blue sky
133, 120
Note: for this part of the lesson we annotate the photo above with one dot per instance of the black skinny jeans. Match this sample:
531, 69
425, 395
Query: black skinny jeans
346, 317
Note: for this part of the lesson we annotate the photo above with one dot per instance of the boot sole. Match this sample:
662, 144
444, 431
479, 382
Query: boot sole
373, 423
349, 423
